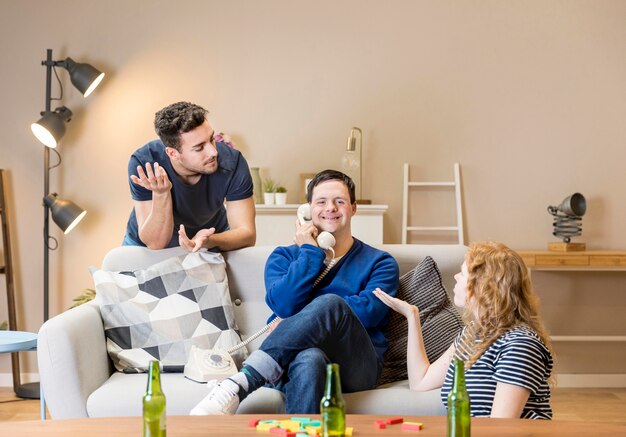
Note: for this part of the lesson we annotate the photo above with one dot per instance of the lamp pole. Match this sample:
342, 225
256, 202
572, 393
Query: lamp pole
46, 189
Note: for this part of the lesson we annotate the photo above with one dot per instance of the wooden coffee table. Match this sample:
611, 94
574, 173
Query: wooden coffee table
234, 426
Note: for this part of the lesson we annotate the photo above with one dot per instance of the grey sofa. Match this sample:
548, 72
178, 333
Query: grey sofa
78, 378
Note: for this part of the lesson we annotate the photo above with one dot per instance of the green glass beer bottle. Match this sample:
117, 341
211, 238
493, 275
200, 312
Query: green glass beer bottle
332, 406
458, 404
154, 404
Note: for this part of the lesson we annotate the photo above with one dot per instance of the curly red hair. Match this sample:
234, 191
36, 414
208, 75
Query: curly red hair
500, 296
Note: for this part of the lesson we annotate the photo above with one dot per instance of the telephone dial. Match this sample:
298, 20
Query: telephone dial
207, 364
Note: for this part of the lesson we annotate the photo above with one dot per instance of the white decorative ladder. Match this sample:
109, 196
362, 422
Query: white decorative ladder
456, 185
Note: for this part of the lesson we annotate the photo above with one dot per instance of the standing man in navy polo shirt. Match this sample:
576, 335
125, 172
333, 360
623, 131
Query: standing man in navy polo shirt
189, 189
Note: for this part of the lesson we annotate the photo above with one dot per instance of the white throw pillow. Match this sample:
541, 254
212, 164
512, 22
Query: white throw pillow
161, 311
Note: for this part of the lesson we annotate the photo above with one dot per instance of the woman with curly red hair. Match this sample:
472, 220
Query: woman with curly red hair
505, 346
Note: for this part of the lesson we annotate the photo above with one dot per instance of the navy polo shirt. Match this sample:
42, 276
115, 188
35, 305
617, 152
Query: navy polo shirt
198, 206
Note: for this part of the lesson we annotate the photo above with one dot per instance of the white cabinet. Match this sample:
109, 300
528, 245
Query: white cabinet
276, 224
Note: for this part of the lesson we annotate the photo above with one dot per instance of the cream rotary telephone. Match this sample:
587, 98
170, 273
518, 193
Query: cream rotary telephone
204, 365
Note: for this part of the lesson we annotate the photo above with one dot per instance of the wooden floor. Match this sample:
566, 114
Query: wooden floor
586, 404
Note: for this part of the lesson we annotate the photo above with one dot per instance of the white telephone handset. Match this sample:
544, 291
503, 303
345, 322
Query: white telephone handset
325, 240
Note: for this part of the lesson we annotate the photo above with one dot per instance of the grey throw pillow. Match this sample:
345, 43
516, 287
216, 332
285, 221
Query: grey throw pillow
439, 317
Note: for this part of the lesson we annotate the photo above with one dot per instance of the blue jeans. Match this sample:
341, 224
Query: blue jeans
294, 356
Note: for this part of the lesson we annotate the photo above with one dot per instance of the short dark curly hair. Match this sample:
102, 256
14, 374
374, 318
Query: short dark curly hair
330, 175
176, 119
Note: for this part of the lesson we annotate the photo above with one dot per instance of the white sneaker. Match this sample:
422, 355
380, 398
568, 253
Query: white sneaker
222, 399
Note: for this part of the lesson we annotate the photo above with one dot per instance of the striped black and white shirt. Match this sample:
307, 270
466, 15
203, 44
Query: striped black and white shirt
518, 357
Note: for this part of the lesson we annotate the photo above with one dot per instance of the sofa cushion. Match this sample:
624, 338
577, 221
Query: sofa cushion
161, 311
121, 395
439, 318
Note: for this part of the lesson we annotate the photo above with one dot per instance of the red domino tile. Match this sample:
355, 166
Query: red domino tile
380, 424
395, 420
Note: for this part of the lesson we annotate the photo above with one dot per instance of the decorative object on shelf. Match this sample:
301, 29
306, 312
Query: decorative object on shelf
568, 222
305, 178
353, 161
281, 195
269, 189
256, 185
49, 130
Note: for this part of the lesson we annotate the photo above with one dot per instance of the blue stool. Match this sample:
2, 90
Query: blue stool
20, 341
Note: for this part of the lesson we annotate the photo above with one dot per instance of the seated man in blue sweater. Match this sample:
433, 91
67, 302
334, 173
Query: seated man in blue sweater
334, 320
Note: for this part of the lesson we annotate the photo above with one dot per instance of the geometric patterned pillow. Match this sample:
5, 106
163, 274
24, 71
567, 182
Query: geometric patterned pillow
439, 318
161, 311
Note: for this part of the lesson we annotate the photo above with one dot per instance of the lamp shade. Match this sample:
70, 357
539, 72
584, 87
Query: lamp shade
84, 77
574, 205
65, 213
50, 128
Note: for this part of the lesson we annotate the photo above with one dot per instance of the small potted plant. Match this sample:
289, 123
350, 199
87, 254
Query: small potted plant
269, 189
281, 195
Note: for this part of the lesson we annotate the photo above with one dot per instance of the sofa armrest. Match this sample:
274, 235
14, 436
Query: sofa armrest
73, 360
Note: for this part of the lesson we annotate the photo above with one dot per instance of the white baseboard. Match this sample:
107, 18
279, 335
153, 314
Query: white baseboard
563, 380
591, 380
6, 379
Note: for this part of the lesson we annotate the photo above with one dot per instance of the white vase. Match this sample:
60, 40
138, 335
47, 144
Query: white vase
269, 198
281, 198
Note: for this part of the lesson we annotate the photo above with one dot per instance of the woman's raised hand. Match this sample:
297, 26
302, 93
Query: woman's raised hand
404, 308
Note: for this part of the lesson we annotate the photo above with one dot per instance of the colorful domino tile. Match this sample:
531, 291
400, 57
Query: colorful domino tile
265, 426
394, 420
380, 424
312, 430
412, 426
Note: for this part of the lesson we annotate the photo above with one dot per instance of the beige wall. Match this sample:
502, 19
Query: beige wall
529, 96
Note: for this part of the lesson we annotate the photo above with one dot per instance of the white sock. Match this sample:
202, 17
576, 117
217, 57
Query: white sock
241, 379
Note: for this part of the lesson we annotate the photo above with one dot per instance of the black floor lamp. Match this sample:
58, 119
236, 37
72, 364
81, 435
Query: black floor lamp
49, 129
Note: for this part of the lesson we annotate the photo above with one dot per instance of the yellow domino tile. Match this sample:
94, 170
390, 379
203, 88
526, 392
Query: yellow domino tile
291, 425
312, 430
265, 426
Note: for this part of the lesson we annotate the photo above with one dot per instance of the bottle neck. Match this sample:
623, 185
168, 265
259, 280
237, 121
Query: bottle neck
459, 375
154, 378
333, 382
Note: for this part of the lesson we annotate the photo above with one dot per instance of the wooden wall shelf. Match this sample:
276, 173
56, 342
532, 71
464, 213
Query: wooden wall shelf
592, 260
583, 261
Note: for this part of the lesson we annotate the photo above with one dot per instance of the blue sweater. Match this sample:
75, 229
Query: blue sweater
290, 272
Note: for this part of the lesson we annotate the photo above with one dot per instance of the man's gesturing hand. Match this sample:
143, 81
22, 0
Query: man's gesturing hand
197, 242
155, 181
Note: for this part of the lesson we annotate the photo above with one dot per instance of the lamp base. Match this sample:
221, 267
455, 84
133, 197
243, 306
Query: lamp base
363, 202
566, 247
28, 391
